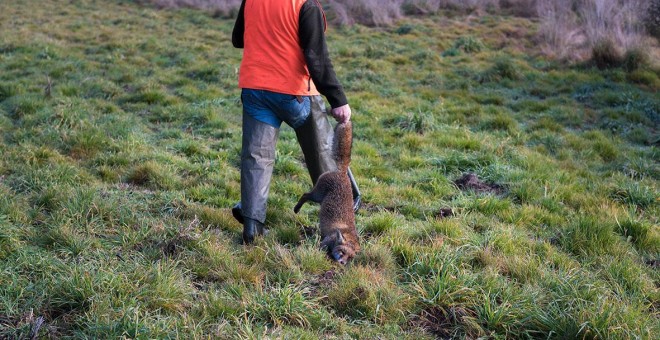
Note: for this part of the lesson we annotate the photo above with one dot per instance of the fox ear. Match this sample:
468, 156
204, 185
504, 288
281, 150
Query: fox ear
339, 238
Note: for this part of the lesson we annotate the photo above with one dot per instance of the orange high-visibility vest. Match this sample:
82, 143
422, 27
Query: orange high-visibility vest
272, 57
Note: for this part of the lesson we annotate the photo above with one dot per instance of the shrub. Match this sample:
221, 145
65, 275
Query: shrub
615, 20
503, 68
570, 28
468, 44
645, 77
605, 55
523, 8
452, 52
652, 19
635, 59
558, 27
469, 5
421, 6
7, 90
404, 29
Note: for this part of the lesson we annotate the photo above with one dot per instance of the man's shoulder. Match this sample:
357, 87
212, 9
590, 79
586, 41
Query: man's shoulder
311, 5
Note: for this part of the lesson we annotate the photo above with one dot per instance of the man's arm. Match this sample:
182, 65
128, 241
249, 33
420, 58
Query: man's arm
315, 50
239, 28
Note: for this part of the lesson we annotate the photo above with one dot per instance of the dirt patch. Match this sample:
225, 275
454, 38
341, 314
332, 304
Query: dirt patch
171, 246
471, 182
441, 322
307, 231
27, 326
445, 213
324, 280
327, 278
373, 208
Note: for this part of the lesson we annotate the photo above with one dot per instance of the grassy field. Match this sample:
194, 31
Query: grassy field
120, 138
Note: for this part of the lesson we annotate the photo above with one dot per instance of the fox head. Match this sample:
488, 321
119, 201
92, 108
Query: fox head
337, 247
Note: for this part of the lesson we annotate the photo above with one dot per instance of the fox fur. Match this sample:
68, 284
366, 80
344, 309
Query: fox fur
333, 191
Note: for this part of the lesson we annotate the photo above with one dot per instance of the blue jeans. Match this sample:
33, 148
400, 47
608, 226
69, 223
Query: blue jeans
263, 114
274, 108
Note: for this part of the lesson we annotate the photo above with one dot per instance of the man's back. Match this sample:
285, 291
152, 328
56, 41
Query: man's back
273, 59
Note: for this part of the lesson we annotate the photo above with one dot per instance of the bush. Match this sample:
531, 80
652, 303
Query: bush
469, 44
558, 28
652, 19
645, 77
522, 8
421, 6
504, 68
635, 59
7, 90
452, 52
571, 28
606, 55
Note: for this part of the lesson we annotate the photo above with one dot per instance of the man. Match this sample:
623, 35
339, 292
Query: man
284, 70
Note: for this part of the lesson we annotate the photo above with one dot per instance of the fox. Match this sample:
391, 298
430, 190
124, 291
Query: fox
333, 191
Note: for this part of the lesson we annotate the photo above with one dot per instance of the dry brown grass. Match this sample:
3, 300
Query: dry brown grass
559, 29
568, 29
578, 29
366, 12
218, 7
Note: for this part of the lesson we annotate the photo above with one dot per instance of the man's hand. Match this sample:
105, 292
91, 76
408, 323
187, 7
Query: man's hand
342, 114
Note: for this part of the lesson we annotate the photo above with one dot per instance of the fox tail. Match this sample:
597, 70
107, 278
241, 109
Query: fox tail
343, 143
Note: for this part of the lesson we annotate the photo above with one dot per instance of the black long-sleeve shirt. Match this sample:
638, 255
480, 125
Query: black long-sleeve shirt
311, 37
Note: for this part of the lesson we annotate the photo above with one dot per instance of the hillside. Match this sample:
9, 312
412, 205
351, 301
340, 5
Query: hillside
120, 143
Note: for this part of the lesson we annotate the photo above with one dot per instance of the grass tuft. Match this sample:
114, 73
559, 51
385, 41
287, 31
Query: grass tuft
504, 68
642, 234
284, 305
152, 175
606, 55
636, 194
588, 236
381, 223
634, 59
468, 44
364, 294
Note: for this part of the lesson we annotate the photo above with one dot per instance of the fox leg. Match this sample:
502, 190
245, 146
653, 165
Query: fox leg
304, 198
316, 195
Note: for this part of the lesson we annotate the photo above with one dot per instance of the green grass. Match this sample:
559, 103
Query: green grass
120, 143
